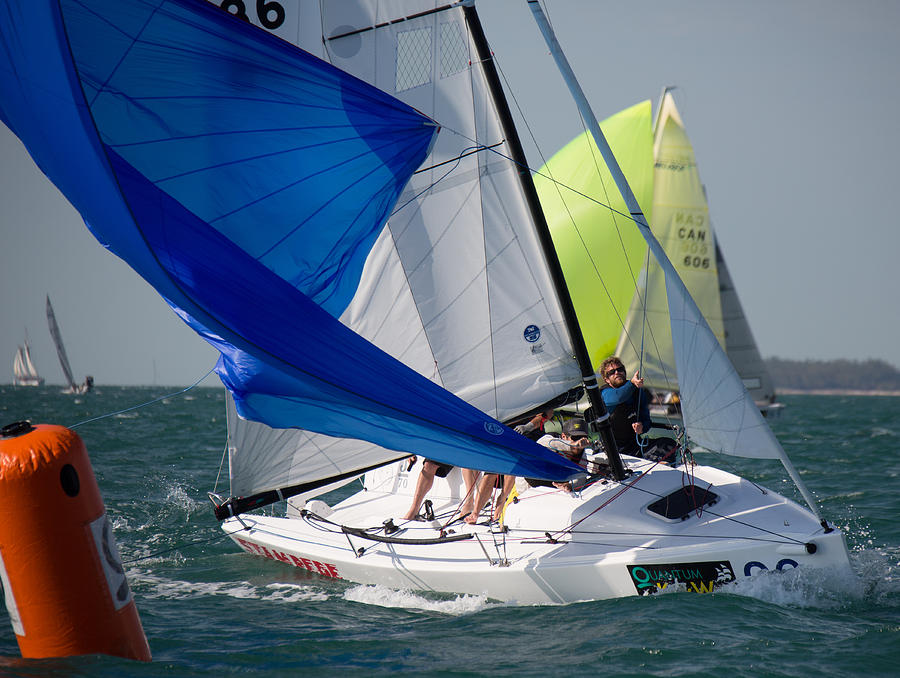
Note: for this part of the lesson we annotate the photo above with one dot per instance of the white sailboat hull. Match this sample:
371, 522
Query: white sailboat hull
615, 546
28, 381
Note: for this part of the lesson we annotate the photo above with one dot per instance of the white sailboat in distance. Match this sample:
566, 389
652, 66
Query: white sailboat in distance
24, 371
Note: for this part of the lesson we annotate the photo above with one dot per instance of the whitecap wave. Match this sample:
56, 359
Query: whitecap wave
157, 587
820, 588
874, 580
387, 597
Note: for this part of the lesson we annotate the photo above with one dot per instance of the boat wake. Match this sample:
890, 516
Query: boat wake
386, 597
873, 581
152, 586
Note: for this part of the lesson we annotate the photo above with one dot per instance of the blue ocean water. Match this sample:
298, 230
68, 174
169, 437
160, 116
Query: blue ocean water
210, 610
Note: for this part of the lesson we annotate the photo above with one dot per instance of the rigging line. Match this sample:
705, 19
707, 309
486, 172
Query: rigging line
149, 402
619, 493
458, 159
613, 213
593, 150
717, 515
644, 318
459, 506
570, 528
588, 542
465, 153
221, 465
176, 548
559, 184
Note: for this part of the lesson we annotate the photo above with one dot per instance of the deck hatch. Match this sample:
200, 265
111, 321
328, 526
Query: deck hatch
679, 504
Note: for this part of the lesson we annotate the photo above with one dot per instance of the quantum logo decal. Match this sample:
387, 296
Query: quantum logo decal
532, 334
697, 577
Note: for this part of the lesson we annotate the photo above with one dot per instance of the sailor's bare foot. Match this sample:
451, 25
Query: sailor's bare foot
471, 519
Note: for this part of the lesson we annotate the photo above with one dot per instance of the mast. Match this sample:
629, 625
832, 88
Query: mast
600, 416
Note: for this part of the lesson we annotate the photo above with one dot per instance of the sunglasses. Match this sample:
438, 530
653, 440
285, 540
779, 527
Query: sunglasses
614, 370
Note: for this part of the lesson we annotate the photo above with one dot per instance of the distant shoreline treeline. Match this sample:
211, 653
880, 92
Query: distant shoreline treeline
819, 375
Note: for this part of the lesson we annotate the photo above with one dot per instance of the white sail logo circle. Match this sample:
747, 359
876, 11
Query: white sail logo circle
493, 429
532, 333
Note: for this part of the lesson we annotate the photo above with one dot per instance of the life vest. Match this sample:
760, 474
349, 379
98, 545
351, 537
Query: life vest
621, 419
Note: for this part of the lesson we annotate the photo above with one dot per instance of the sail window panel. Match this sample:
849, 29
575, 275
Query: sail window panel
414, 59
453, 49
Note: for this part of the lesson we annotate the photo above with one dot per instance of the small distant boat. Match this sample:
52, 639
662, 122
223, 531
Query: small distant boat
71, 387
24, 371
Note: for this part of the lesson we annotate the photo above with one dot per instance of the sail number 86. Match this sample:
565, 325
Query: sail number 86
264, 10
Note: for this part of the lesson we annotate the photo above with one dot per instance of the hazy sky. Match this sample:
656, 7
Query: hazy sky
790, 106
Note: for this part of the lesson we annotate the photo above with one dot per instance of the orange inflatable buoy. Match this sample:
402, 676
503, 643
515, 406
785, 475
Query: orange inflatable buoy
62, 577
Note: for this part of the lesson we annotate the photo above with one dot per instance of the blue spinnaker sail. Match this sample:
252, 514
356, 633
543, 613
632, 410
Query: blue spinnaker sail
246, 181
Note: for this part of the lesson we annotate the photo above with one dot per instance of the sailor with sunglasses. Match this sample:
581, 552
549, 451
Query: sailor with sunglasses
627, 404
